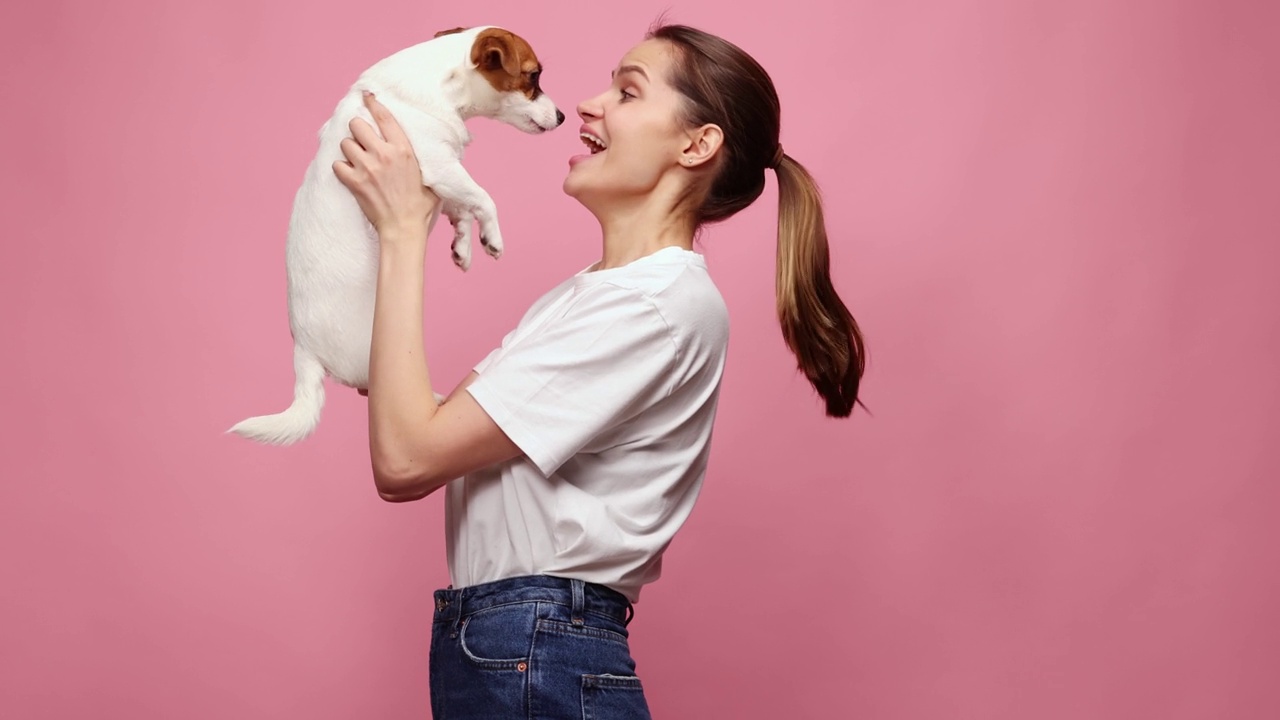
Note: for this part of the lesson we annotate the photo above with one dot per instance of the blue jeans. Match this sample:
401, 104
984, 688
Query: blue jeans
533, 647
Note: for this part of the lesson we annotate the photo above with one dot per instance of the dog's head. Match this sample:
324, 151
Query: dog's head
505, 82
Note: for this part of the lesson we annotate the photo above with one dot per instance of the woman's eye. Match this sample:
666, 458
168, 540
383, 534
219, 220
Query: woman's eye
626, 95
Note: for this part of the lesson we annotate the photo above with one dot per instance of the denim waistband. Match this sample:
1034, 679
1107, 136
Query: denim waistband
581, 597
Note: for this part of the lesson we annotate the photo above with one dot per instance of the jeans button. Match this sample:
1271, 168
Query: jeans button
522, 666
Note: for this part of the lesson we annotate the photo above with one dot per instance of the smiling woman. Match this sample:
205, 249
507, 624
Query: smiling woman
567, 472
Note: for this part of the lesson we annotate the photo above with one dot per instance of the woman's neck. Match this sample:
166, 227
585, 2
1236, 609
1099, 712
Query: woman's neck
632, 233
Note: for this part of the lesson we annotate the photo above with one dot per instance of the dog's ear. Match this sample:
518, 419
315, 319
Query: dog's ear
442, 33
493, 51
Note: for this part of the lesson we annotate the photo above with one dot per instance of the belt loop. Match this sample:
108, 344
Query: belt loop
457, 612
578, 589
631, 614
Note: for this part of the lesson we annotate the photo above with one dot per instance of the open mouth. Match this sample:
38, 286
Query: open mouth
593, 143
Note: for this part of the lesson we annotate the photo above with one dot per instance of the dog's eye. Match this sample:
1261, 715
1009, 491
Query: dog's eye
533, 77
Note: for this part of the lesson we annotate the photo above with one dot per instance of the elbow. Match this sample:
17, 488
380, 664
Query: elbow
400, 497
395, 472
403, 484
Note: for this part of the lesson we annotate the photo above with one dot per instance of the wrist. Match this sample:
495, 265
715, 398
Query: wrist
403, 233
395, 253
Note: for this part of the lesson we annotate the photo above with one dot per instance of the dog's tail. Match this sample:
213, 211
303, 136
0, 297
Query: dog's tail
302, 417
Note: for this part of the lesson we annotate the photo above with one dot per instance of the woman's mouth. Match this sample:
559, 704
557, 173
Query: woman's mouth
593, 142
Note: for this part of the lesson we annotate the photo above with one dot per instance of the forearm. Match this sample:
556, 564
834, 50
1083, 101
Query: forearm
401, 402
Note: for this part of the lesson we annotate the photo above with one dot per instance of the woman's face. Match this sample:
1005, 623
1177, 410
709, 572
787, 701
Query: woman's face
637, 122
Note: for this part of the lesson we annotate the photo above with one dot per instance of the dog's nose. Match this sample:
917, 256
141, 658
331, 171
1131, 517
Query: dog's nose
559, 117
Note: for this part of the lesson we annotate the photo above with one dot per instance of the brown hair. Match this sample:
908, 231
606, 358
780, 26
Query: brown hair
724, 86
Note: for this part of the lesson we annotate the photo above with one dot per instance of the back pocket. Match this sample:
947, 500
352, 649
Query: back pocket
613, 697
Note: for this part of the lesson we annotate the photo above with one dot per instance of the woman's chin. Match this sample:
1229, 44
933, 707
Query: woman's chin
580, 191
574, 185
569, 186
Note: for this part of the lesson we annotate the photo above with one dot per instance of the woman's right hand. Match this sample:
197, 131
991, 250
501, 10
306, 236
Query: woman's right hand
383, 175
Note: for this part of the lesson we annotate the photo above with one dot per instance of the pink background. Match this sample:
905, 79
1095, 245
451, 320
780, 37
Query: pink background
1056, 222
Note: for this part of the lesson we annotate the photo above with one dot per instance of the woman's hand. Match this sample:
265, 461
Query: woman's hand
383, 174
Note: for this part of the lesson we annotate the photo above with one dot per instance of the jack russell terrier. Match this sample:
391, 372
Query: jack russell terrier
332, 251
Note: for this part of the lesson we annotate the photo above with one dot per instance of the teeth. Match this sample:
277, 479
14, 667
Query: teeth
593, 142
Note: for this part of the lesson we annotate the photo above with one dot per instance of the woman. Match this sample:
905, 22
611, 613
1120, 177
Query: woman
580, 444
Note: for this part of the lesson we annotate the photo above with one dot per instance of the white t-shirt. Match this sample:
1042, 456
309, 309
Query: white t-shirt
609, 386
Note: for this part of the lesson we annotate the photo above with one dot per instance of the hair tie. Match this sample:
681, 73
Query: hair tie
777, 157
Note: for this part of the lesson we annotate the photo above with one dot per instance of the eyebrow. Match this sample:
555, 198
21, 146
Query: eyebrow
629, 68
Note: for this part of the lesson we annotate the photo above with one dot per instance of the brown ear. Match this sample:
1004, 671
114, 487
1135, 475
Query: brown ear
493, 50
448, 32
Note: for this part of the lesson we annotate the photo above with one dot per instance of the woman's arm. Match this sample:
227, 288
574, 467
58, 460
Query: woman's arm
415, 447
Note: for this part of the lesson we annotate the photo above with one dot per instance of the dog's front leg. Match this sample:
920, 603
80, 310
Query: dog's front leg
433, 156
461, 221
454, 184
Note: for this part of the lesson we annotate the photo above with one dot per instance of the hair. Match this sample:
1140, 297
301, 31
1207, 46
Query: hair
724, 86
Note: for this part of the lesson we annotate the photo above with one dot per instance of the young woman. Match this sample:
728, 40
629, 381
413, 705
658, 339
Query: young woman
574, 452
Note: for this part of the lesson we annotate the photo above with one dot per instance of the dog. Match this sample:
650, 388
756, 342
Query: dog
331, 252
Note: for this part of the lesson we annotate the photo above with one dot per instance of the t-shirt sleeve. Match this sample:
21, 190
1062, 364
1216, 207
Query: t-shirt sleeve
529, 314
488, 359
610, 356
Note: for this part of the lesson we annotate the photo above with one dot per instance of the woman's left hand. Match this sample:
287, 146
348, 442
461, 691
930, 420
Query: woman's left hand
383, 174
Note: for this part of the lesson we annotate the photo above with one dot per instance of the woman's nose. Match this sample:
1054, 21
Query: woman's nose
588, 110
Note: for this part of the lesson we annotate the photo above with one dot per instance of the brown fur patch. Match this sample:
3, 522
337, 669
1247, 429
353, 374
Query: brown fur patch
442, 33
507, 61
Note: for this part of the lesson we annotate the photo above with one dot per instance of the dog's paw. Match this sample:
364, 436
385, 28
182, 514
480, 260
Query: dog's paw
492, 242
462, 260
462, 253
462, 243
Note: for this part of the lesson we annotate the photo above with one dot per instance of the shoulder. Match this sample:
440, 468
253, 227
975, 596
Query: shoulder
670, 295
687, 300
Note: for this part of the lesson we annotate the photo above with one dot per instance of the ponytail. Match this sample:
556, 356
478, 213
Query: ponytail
816, 325
723, 85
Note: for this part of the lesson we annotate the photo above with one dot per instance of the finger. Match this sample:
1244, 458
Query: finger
387, 124
346, 174
352, 150
364, 134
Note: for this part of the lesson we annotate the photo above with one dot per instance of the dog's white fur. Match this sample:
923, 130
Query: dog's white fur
332, 251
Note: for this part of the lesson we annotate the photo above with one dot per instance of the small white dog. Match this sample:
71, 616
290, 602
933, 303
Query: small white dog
332, 251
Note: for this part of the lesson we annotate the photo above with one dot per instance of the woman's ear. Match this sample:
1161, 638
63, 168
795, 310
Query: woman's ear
704, 143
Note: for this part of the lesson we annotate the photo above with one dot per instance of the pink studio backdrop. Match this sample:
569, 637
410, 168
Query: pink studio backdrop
1055, 221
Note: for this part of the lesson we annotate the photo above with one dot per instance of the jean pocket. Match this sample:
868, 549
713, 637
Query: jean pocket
501, 637
558, 627
613, 697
